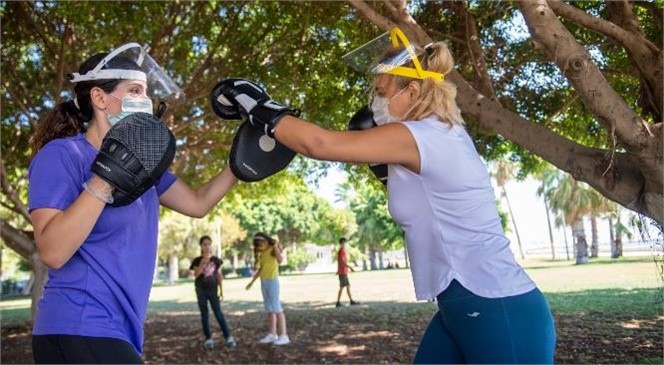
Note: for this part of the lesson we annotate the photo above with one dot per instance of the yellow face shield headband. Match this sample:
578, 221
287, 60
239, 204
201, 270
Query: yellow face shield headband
417, 72
387, 54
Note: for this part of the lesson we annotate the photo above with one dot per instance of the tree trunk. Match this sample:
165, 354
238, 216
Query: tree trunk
548, 222
173, 270
594, 246
612, 238
40, 272
516, 230
581, 243
566, 244
27, 289
619, 245
372, 259
23, 243
381, 266
405, 255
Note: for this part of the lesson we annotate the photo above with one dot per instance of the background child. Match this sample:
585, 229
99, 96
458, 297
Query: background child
342, 271
268, 258
206, 271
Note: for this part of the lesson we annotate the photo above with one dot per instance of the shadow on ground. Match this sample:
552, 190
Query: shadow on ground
374, 333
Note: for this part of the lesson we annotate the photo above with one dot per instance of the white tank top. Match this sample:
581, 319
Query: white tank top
449, 216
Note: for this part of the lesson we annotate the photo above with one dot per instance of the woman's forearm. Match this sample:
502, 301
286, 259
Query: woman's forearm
211, 193
198, 202
59, 235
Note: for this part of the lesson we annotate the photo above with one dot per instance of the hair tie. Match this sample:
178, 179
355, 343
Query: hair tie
76, 103
429, 49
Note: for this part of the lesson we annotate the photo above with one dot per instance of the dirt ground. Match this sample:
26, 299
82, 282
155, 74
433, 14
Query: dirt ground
359, 334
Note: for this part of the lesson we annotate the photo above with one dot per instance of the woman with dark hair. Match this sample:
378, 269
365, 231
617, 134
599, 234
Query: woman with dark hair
100, 257
209, 288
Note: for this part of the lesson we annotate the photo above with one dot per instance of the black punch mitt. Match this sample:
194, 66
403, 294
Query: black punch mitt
133, 155
256, 156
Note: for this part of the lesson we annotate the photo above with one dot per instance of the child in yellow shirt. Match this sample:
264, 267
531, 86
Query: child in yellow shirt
268, 258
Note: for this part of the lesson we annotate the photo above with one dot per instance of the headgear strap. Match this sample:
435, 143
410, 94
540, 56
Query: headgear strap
417, 72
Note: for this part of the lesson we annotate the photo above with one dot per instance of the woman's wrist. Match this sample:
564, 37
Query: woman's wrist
99, 188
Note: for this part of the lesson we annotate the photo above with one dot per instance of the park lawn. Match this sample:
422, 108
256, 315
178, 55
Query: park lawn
609, 311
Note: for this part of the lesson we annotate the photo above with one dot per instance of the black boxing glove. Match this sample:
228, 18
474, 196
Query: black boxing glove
238, 97
227, 108
133, 155
362, 120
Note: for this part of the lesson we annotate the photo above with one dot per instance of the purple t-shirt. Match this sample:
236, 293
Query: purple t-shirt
103, 290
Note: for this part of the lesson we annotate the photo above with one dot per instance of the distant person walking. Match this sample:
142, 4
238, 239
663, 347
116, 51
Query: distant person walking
342, 271
208, 279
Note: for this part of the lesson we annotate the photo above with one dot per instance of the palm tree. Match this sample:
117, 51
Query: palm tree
503, 173
617, 229
600, 206
547, 177
574, 200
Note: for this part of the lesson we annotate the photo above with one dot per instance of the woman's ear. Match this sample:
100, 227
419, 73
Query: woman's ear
414, 90
97, 98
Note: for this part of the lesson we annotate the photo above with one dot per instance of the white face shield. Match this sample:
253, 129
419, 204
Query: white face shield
160, 86
386, 54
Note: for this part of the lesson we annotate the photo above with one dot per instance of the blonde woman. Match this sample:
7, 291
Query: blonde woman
440, 193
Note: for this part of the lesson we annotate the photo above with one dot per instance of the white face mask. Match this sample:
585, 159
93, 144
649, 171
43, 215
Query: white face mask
380, 106
130, 106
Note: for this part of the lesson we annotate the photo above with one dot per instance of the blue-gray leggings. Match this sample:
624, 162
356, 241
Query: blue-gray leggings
471, 329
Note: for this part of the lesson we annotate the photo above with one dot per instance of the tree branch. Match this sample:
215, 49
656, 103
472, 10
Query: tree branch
648, 57
476, 53
12, 194
593, 23
17, 240
576, 64
25, 11
372, 15
61, 62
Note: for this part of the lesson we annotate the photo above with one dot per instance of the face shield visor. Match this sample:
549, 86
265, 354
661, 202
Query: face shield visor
390, 53
161, 88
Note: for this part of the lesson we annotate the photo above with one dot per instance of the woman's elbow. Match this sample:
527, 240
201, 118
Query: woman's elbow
52, 260
198, 214
314, 147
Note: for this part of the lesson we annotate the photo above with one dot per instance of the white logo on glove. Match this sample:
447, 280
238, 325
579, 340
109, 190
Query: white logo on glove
272, 105
103, 166
249, 168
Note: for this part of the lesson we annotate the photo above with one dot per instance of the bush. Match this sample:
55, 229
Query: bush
286, 269
226, 270
244, 272
300, 259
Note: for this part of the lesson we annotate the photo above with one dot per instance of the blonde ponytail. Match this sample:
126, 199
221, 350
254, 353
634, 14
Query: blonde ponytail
436, 97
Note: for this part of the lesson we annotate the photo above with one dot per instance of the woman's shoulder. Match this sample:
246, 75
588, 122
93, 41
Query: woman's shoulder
60, 148
64, 144
432, 124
